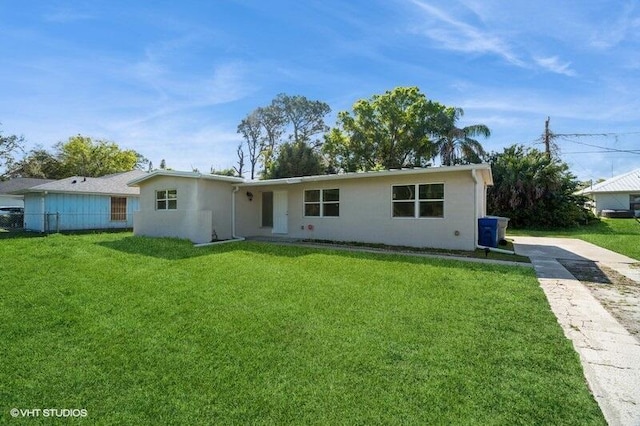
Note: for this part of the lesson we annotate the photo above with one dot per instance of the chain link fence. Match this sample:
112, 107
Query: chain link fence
60, 221
11, 218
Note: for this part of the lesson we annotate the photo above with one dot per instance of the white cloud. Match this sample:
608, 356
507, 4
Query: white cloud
454, 34
173, 92
613, 33
553, 64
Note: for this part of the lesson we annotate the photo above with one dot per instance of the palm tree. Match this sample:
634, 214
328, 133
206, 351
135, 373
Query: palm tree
457, 145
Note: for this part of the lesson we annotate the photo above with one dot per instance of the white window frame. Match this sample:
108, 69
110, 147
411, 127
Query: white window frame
417, 200
321, 202
166, 199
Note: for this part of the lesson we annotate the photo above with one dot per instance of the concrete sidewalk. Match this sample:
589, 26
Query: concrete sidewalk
609, 354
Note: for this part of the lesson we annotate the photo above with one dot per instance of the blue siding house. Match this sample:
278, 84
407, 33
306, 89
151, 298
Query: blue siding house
78, 203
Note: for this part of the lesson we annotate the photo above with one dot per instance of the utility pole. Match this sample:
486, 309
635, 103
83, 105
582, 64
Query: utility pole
547, 138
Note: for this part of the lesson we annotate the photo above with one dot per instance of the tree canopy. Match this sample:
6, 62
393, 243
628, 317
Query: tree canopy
292, 119
534, 190
396, 129
304, 117
223, 172
82, 156
457, 145
79, 155
9, 147
399, 128
296, 159
37, 163
252, 129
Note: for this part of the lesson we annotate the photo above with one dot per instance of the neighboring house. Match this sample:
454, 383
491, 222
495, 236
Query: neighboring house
621, 192
422, 207
8, 199
78, 203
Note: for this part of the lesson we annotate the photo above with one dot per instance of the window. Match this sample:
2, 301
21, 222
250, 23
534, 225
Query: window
322, 202
119, 209
634, 202
422, 200
167, 199
267, 209
404, 204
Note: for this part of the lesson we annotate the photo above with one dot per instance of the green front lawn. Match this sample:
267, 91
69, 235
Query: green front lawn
619, 235
154, 331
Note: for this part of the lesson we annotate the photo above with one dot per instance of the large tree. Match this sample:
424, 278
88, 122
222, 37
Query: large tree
393, 130
82, 156
296, 159
37, 163
304, 116
534, 190
251, 129
9, 147
273, 123
291, 119
458, 145
79, 155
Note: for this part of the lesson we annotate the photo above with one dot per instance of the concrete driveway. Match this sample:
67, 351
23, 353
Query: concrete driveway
609, 354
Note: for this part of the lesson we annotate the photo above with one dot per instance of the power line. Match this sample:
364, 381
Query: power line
590, 152
551, 147
598, 134
606, 149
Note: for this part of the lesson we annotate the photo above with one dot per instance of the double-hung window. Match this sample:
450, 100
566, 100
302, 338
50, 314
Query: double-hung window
167, 199
419, 200
322, 203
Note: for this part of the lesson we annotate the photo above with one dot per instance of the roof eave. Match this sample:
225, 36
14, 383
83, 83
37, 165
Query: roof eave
60, 191
484, 167
188, 175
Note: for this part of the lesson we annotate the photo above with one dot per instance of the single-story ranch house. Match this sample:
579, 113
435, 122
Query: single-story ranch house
434, 207
78, 203
619, 194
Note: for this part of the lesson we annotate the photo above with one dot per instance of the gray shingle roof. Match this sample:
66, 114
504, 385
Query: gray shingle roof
115, 184
17, 184
628, 182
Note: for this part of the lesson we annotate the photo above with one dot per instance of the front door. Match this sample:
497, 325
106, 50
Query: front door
280, 212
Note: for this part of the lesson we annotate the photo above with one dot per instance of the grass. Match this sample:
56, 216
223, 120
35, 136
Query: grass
154, 331
619, 235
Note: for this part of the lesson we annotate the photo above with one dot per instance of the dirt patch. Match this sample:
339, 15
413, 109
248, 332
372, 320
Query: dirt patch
618, 294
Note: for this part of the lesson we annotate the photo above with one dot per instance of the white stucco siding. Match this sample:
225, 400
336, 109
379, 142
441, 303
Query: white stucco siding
193, 225
366, 212
188, 220
215, 196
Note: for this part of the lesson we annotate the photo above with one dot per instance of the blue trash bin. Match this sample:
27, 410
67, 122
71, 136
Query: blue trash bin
488, 232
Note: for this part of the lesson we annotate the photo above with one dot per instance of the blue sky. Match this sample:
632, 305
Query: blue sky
172, 79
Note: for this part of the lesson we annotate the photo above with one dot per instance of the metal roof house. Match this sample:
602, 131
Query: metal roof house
423, 207
78, 203
8, 187
620, 193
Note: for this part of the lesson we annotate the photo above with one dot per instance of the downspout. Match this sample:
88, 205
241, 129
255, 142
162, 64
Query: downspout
474, 176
